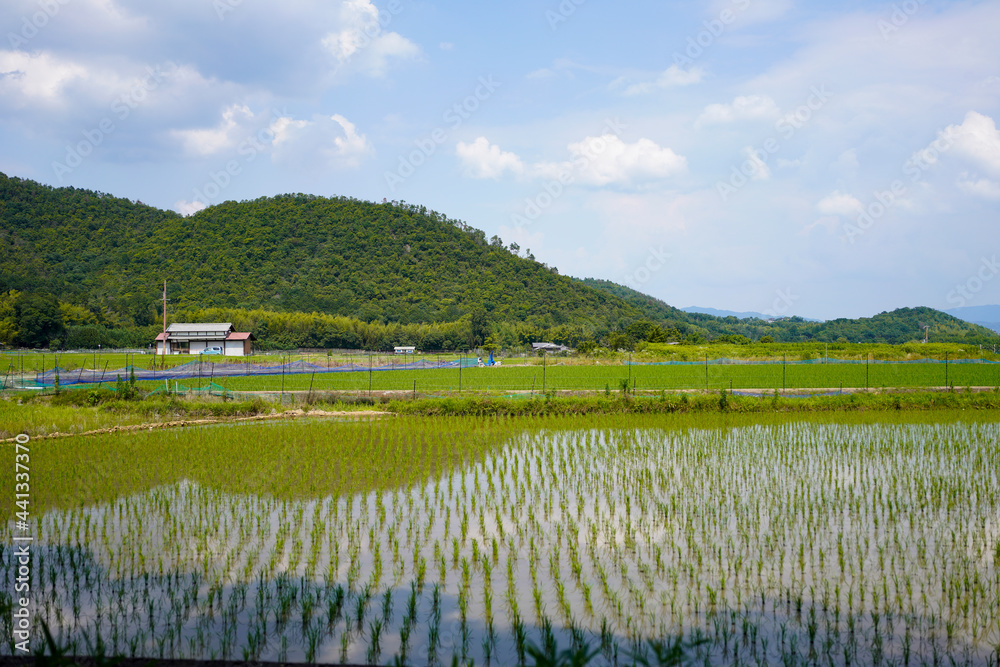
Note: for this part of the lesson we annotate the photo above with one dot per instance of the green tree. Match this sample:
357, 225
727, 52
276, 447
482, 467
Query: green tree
479, 327
618, 341
38, 320
8, 317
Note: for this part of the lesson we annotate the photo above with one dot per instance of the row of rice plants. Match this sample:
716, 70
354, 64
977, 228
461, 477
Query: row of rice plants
611, 377
806, 542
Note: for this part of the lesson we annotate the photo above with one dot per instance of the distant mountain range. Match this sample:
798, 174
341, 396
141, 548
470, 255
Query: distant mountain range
746, 315
985, 316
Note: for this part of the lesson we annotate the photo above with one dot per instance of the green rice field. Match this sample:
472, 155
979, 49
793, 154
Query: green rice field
563, 376
639, 378
838, 539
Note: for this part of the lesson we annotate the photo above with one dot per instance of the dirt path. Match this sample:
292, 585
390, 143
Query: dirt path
289, 414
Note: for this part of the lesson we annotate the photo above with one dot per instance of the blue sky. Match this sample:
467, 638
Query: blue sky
817, 159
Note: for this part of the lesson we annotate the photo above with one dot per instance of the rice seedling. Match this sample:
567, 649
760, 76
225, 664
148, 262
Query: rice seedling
836, 539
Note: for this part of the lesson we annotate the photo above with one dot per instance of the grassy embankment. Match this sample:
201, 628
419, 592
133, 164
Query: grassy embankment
83, 410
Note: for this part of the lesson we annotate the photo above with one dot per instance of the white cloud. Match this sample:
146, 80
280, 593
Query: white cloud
749, 107
981, 187
187, 208
672, 77
608, 160
978, 139
595, 161
42, 78
839, 204
362, 40
235, 126
323, 142
482, 159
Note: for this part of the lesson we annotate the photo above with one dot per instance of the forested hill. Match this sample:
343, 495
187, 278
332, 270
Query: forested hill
899, 326
86, 268
390, 262
650, 306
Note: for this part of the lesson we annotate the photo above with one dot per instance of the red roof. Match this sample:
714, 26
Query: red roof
240, 336
161, 336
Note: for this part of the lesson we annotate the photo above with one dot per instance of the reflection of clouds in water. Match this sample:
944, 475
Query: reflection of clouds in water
661, 515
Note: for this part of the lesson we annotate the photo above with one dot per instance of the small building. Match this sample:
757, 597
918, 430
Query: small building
405, 349
195, 338
549, 347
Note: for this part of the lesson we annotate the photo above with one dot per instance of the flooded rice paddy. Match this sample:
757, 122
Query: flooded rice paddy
796, 542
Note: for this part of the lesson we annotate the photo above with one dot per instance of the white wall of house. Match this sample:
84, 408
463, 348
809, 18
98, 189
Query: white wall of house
233, 348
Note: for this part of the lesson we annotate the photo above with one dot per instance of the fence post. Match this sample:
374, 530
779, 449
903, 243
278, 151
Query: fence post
543, 370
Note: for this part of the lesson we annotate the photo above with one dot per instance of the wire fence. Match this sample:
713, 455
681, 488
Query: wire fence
306, 380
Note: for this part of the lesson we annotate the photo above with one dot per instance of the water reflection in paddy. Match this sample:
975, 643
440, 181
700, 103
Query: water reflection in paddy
835, 542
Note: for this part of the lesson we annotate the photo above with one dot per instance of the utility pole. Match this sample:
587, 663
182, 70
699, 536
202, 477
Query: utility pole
164, 323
